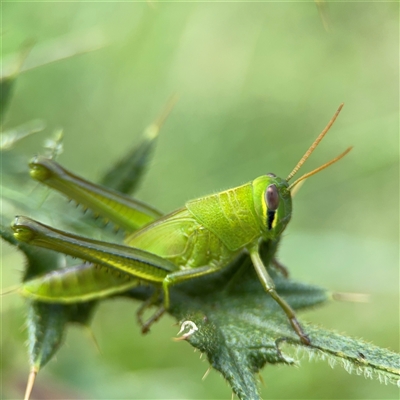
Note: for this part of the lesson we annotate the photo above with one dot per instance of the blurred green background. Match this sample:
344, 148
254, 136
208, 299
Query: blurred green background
257, 82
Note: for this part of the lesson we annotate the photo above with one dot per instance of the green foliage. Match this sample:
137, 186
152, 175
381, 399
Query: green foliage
241, 332
239, 119
6, 85
240, 328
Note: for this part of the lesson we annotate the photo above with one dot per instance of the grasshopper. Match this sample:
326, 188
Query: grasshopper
198, 239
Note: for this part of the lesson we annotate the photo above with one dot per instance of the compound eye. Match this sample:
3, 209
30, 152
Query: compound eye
272, 197
271, 175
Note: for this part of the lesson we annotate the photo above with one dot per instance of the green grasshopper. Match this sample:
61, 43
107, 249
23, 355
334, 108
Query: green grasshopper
202, 237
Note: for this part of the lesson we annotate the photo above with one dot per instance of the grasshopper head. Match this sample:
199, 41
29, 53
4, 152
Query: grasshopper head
273, 204
272, 195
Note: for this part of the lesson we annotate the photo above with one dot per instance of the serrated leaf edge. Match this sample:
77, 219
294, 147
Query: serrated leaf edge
369, 372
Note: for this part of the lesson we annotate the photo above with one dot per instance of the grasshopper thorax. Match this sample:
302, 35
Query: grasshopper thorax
272, 203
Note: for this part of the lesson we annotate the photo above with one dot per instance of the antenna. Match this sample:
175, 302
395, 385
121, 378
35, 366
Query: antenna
315, 144
326, 165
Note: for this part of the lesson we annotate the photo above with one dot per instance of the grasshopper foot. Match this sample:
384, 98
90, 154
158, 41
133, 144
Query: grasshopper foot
299, 330
280, 267
154, 318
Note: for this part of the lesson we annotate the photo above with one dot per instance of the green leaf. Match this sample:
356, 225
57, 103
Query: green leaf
242, 329
6, 89
9, 72
46, 322
12, 136
59, 49
355, 355
240, 326
46, 327
127, 173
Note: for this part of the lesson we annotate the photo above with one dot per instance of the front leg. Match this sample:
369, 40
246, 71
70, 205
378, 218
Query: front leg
269, 287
